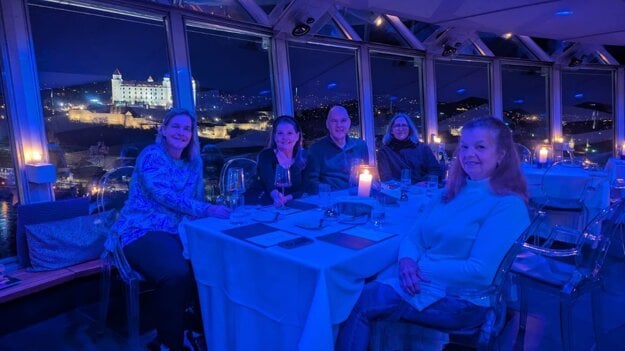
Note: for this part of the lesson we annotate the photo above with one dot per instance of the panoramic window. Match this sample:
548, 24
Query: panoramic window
234, 98
322, 77
587, 117
462, 94
8, 186
396, 88
525, 105
105, 86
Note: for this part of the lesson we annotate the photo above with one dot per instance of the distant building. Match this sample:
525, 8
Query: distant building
148, 92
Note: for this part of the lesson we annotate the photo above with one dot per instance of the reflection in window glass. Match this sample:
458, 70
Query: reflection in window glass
396, 88
322, 77
462, 92
234, 100
373, 27
506, 46
229, 9
104, 88
587, 116
8, 187
525, 103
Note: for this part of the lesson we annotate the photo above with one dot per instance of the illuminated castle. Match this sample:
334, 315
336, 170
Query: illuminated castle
148, 92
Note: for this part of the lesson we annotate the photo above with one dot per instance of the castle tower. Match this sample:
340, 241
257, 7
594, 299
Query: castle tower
116, 87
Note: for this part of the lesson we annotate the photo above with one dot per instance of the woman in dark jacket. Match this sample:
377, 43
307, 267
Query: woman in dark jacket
401, 149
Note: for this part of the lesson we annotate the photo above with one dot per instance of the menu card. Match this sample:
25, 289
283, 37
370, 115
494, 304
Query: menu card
272, 238
371, 234
248, 231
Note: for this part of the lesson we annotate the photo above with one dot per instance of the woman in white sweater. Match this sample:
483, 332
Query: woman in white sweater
460, 244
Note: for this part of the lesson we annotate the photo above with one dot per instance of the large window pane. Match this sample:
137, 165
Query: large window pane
322, 77
396, 88
8, 187
587, 115
525, 103
104, 87
234, 92
462, 91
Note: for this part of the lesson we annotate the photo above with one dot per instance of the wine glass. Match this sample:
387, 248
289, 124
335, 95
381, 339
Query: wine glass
235, 181
283, 178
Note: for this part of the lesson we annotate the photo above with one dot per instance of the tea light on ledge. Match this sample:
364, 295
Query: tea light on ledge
623, 151
436, 139
543, 153
35, 157
364, 183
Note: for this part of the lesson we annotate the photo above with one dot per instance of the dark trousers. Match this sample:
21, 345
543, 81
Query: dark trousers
158, 257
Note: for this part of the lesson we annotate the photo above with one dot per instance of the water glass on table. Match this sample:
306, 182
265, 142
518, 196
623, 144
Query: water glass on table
406, 180
236, 203
431, 185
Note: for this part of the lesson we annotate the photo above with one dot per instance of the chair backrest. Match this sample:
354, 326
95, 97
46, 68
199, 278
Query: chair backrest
525, 155
113, 189
249, 171
565, 180
45, 212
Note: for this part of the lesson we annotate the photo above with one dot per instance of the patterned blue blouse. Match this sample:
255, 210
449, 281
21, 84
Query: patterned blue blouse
163, 190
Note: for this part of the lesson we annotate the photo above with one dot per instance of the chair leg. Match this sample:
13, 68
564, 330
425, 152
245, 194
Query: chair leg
566, 323
105, 295
597, 317
523, 306
132, 312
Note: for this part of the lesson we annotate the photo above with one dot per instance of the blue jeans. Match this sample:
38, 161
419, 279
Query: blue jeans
381, 301
158, 257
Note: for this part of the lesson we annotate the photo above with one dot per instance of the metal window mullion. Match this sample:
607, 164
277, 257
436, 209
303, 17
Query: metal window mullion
619, 107
429, 97
23, 102
283, 92
555, 103
496, 86
366, 100
182, 90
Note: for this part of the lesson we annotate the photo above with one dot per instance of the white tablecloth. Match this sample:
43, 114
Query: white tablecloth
596, 197
256, 298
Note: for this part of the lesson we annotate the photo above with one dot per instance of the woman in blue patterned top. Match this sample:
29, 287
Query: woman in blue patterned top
166, 187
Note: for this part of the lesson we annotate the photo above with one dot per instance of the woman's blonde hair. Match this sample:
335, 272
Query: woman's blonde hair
192, 151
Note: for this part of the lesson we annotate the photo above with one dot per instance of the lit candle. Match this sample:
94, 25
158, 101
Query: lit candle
437, 139
35, 157
560, 140
623, 149
364, 183
542, 155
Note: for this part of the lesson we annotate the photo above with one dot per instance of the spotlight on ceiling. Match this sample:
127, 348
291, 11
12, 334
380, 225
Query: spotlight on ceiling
576, 61
449, 50
302, 28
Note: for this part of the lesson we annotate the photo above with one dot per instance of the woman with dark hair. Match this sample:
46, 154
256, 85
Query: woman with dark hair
166, 186
285, 149
458, 245
401, 149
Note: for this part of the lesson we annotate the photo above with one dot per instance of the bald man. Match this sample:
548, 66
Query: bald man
330, 158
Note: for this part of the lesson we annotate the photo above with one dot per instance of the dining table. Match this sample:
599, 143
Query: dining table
565, 181
284, 279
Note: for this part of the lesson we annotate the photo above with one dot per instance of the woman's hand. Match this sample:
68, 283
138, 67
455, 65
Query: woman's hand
279, 199
218, 211
410, 276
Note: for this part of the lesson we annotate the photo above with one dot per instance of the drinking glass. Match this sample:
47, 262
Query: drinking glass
282, 178
378, 215
235, 181
431, 185
406, 178
236, 204
353, 175
325, 196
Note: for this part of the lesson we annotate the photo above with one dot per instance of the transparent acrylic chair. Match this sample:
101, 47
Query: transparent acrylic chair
482, 336
566, 264
249, 171
114, 187
564, 187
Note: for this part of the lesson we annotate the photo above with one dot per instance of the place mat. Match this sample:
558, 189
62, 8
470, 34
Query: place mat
272, 238
301, 205
346, 240
248, 231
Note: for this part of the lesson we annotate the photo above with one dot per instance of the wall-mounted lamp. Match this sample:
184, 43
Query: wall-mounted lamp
37, 171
